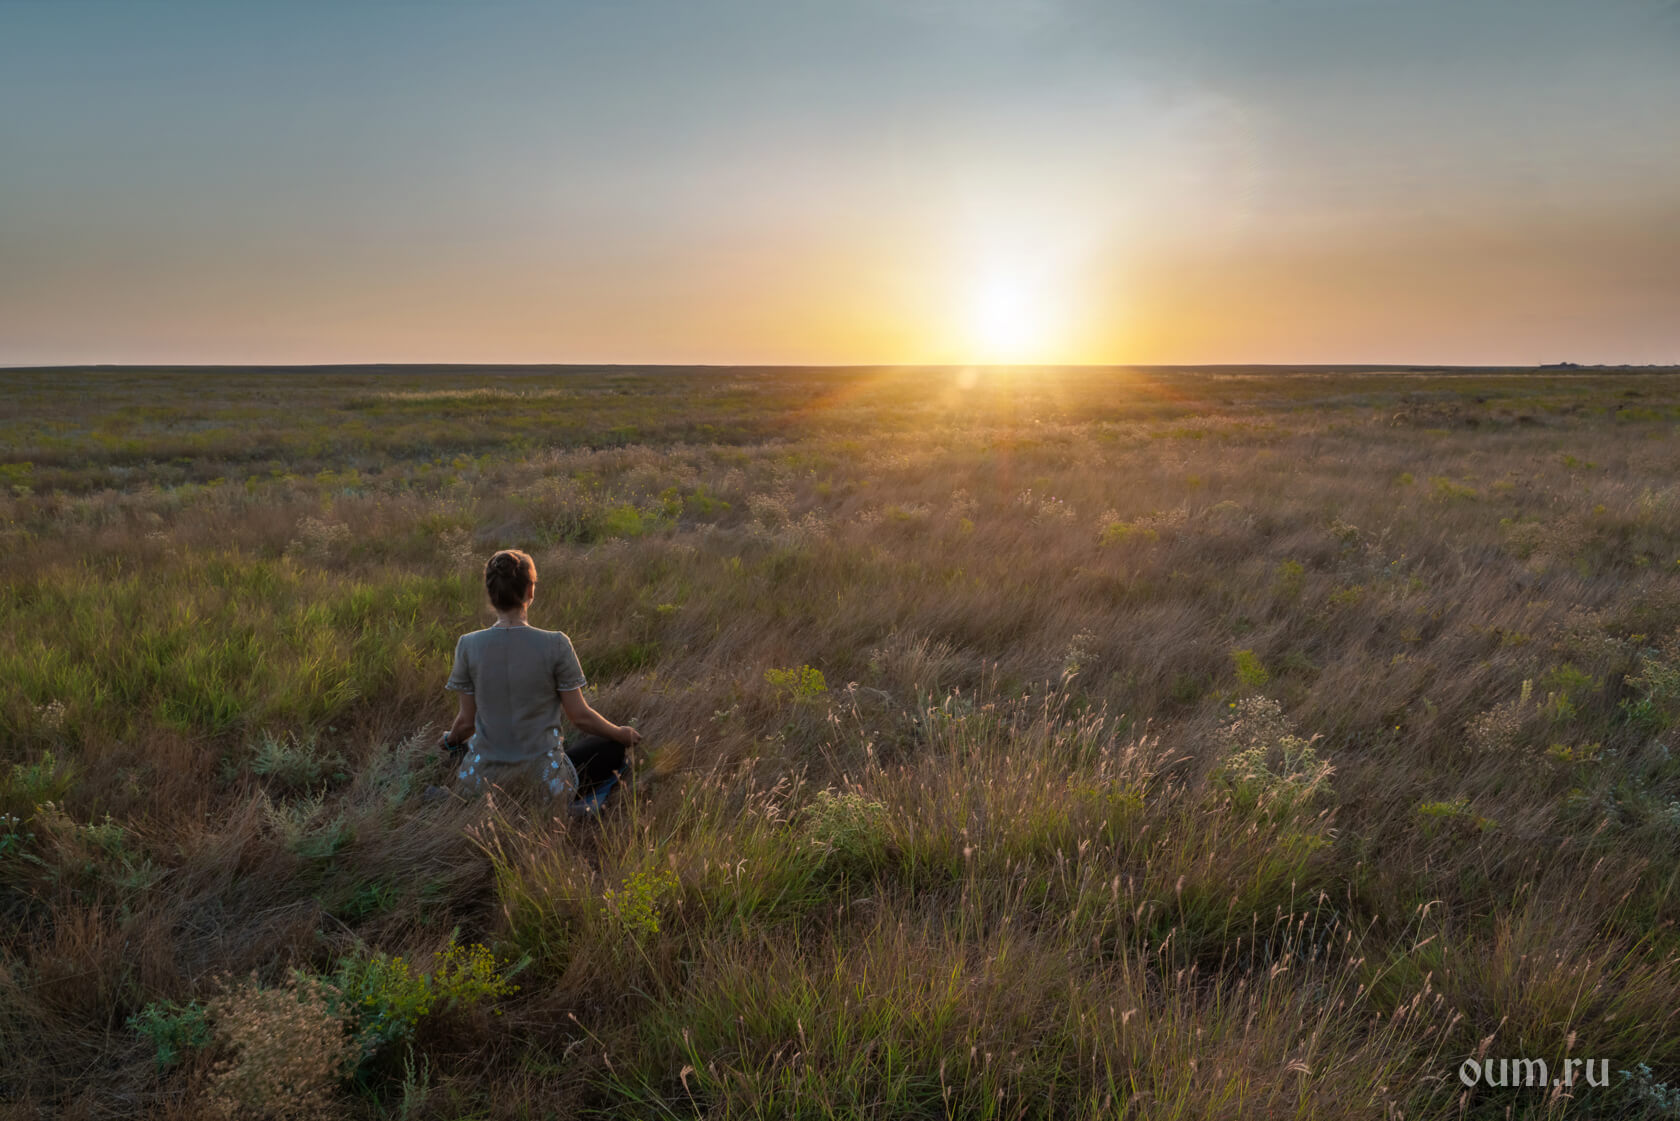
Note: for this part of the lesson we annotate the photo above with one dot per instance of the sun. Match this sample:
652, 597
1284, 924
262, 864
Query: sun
1011, 318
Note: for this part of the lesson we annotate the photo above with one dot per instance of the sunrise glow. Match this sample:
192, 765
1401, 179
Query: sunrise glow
1003, 181
1011, 320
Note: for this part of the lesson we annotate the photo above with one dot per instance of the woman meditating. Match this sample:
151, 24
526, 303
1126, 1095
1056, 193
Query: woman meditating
515, 680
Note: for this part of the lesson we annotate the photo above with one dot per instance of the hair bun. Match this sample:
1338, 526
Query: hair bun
508, 577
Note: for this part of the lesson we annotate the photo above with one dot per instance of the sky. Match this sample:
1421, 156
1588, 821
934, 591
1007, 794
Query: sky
848, 182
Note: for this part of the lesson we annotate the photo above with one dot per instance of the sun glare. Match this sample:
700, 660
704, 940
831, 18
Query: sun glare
1009, 319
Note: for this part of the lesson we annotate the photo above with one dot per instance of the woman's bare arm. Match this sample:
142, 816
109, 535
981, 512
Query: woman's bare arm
586, 719
464, 721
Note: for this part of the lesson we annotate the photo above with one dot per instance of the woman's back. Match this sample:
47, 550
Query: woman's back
516, 675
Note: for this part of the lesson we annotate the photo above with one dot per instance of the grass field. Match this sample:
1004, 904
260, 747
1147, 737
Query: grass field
1166, 744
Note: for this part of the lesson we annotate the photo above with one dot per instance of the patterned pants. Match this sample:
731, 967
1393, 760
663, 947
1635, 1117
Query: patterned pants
590, 764
551, 771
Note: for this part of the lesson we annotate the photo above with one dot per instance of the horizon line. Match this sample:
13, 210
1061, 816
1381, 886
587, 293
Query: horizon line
277, 367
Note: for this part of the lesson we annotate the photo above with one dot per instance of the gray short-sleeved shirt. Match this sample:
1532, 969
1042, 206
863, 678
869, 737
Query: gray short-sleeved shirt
517, 675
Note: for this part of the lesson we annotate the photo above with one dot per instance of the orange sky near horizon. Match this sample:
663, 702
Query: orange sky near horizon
1033, 181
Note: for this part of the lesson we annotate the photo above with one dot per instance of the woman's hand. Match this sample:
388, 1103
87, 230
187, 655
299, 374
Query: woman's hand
465, 721
627, 735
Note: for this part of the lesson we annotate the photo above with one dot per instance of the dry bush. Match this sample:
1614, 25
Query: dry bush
320, 541
287, 1049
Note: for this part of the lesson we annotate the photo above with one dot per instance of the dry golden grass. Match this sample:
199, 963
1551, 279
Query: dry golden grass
1066, 743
